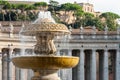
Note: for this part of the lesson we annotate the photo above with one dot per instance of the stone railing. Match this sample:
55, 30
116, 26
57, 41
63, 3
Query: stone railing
76, 36
95, 37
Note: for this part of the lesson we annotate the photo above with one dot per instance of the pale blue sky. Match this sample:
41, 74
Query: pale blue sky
99, 5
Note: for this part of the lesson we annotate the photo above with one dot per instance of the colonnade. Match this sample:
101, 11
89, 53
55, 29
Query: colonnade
94, 64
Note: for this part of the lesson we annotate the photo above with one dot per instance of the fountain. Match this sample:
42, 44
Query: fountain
45, 63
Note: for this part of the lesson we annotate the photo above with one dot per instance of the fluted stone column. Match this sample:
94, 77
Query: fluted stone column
117, 65
58, 52
23, 74
104, 66
14, 74
69, 76
11, 66
4, 66
17, 75
80, 70
87, 64
30, 74
93, 65
101, 64
12, 71
0, 64
69, 52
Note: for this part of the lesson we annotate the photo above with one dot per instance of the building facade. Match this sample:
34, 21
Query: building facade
99, 53
87, 7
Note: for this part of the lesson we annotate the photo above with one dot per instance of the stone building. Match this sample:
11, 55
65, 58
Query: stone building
87, 7
99, 53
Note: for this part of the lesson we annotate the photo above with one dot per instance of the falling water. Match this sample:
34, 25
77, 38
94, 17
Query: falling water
60, 42
42, 15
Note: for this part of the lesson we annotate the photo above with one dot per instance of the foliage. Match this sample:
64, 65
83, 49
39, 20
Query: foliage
97, 22
57, 19
70, 6
30, 7
111, 24
85, 19
39, 4
32, 16
53, 3
110, 20
3, 2
15, 16
7, 5
53, 6
109, 15
88, 19
19, 6
79, 13
22, 6
88, 15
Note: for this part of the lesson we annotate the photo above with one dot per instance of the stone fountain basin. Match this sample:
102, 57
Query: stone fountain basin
45, 62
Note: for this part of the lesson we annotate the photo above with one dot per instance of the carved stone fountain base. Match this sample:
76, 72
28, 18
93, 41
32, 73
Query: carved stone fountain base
45, 75
46, 65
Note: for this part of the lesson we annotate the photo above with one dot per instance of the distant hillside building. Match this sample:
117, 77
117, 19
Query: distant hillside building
87, 7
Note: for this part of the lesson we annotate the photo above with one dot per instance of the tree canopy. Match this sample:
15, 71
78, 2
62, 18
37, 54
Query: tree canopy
110, 20
70, 7
109, 15
40, 4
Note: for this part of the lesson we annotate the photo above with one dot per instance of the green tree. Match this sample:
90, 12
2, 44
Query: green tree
110, 20
98, 23
109, 15
72, 7
30, 7
21, 6
41, 5
3, 2
53, 6
88, 19
7, 6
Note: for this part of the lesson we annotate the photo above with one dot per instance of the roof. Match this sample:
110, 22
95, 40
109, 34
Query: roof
17, 25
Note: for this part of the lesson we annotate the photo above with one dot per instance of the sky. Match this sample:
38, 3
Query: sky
99, 5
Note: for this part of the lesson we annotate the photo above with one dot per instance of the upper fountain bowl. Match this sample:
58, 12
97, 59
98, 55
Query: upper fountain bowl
44, 24
33, 29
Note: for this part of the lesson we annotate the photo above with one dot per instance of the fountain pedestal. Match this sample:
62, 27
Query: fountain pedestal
45, 75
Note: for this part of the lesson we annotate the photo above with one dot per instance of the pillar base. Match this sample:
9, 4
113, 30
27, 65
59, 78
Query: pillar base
45, 75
